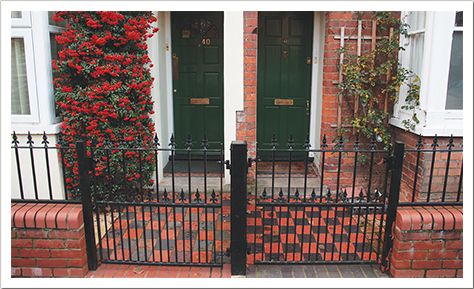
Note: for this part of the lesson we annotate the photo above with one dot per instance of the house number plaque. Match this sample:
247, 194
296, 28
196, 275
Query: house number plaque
199, 100
283, 101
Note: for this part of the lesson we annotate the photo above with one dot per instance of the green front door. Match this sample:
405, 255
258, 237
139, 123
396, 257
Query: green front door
284, 77
197, 52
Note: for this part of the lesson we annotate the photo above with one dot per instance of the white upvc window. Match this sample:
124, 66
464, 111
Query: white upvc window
33, 48
433, 50
24, 100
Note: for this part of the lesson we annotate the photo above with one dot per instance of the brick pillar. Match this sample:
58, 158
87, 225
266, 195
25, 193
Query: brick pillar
48, 240
428, 242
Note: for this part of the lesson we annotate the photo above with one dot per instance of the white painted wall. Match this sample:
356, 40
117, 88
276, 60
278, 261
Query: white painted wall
233, 77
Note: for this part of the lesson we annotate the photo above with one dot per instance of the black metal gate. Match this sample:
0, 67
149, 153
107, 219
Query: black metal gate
177, 220
329, 207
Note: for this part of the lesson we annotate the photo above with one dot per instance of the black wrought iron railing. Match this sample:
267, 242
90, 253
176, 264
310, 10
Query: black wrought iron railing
432, 173
39, 171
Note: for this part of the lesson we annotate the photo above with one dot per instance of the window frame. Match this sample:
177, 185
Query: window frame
33, 117
434, 118
24, 21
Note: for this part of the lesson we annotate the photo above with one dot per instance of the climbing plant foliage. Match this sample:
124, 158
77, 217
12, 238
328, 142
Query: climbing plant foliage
102, 92
365, 76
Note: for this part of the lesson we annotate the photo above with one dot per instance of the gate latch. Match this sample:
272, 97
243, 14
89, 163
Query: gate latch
227, 164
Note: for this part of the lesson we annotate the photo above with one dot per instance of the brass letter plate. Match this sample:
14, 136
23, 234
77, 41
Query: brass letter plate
283, 101
199, 100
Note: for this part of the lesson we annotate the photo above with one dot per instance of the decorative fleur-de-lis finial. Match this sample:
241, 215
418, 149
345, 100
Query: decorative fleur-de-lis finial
291, 142
15, 141
205, 143
280, 195
377, 194
306, 144
45, 140
450, 142
313, 195
30, 140
361, 196
328, 195
419, 143
213, 197
373, 143
324, 143
357, 143
189, 142
165, 196
156, 141
435, 142
274, 142
172, 143
340, 143
297, 194
264, 193
197, 196
182, 196
344, 196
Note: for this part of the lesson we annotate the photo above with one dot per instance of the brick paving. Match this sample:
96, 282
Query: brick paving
315, 271
139, 271
253, 271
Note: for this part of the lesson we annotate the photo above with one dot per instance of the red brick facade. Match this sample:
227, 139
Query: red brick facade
247, 120
428, 243
48, 240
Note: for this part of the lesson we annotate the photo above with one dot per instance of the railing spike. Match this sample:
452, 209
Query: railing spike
45, 140
307, 145
172, 141
450, 142
156, 141
435, 142
189, 142
419, 143
15, 141
30, 141
274, 142
205, 143
325, 142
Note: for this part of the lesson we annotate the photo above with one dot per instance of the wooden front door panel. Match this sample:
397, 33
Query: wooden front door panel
197, 49
284, 76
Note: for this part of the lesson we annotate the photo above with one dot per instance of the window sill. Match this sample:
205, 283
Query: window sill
442, 124
23, 128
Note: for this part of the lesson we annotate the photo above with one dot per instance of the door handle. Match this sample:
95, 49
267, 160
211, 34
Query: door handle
175, 67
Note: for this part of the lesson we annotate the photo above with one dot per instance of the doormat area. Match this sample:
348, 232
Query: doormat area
282, 169
182, 167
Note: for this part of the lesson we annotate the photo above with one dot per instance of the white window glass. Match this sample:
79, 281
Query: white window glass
20, 104
416, 38
455, 80
16, 14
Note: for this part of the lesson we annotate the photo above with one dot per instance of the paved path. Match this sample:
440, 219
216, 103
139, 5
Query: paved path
315, 271
258, 271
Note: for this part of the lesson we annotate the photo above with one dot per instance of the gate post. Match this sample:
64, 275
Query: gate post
86, 198
393, 200
238, 207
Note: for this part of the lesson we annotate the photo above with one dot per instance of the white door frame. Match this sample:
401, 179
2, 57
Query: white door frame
317, 82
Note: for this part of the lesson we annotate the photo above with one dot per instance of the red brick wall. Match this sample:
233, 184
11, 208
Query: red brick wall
428, 242
246, 120
48, 240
